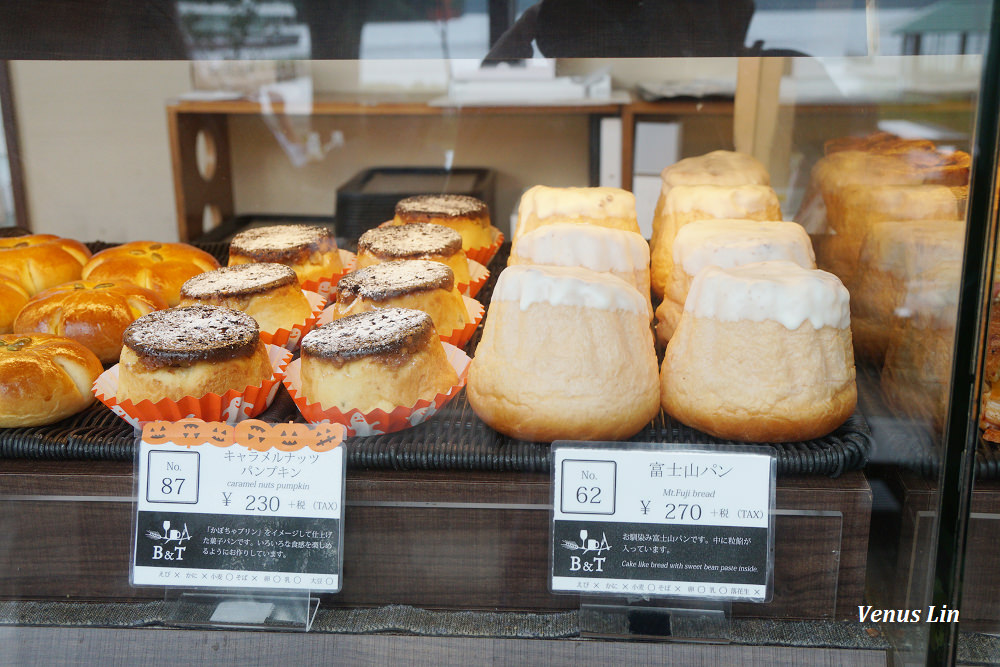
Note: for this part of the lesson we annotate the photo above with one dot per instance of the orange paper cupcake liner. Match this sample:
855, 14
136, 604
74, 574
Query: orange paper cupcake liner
326, 286
232, 407
457, 337
485, 254
479, 274
377, 422
290, 338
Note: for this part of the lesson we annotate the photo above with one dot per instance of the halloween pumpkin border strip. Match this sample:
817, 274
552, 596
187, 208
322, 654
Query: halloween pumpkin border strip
254, 434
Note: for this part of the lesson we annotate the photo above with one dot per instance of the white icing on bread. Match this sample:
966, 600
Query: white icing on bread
780, 291
716, 168
547, 202
728, 243
721, 201
592, 247
567, 286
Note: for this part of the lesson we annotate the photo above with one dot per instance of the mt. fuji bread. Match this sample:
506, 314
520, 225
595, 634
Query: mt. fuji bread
762, 354
381, 359
419, 284
418, 240
94, 314
715, 168
605, 207
41, 261
309, 250
602, 249
191, 351
566, 353
466, 215
267, 292
12, 300
160, 267
903, 259
44, 378
686, 203
726, 243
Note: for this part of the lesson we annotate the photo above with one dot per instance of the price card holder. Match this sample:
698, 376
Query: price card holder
242, 524
688, 524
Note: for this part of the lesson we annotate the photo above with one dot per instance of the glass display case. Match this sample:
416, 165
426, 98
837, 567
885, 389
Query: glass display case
871, 126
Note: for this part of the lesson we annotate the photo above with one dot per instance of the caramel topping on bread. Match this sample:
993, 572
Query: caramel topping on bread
410, 241
183, 336
282, 243
424, 208
239, 280
388, 280
390, 333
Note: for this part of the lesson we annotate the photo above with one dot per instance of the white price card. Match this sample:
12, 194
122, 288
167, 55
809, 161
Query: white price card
687, 521
254, 505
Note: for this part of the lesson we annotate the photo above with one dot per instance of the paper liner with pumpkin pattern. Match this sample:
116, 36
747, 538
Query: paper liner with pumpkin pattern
377, 422
231, 407
290, 338
457, 337
485, 254
325, 286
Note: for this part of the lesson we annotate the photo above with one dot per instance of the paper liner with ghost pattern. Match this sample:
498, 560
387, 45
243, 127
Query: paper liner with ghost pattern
378, 422
457, 337
232, 407
325, 286
291, 337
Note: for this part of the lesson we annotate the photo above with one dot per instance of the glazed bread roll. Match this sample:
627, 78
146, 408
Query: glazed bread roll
93, 314
605, 207
715, 168
41, 261
903, 260
44, 378
686, 203
419, 284
727, 244
12, 299
160, 267
309, 250
466, 215
414, 241
566, 353
191, 351
269, 293
602, 249
762, 354
861, 206
381, 359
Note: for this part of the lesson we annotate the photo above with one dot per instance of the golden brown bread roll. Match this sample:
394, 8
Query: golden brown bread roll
12, 300
161, 267
41, 261
191, 351
91, 313
44, 378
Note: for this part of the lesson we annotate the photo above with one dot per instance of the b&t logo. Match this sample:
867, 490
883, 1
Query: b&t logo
172, 547
587, 545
